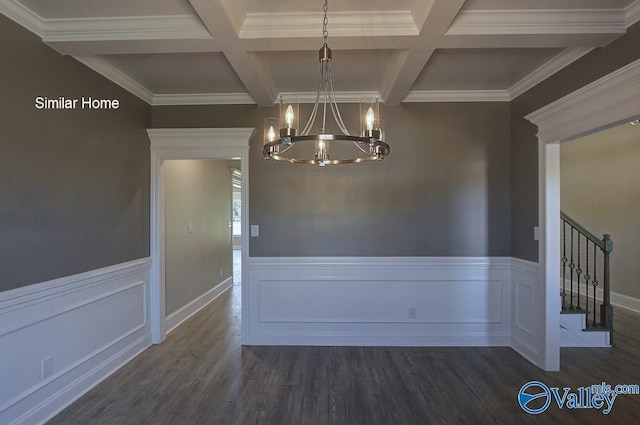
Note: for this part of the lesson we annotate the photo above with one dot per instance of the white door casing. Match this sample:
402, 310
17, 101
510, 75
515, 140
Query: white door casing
190, 143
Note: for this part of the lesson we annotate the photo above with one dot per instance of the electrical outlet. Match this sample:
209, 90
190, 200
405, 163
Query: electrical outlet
412, 312
46, 367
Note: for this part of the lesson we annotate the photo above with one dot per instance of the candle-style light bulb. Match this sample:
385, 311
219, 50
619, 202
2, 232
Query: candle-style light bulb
289, 116
369, 119
271, 134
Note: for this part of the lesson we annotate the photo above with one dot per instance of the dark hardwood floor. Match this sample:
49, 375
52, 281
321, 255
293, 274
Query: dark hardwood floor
201, 375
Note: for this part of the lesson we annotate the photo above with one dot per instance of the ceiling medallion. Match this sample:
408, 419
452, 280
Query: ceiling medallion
281, 134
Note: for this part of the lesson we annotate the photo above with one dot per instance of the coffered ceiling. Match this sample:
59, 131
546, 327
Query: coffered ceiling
249, 51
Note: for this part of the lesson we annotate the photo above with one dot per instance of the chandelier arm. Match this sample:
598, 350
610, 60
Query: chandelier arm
312, 119
357, 144
326, 72
334, 105
287, 148
314, 112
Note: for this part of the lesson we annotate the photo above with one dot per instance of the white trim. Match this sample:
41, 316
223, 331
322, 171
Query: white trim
46, 291
185, 312
557, 63
341, 97
378, 339
617, 299
625, 301
524, 337
22, 15
460, 301
236, 13
611, 99
44, 320
343, 24
538, 21
112, 73
203, 99
178, 27
457, 96
632, 13
382, 263
193, 143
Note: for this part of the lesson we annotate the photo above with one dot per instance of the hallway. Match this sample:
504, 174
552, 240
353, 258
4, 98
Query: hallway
202, 375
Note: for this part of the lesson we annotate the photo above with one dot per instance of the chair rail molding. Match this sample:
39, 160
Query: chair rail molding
62, 337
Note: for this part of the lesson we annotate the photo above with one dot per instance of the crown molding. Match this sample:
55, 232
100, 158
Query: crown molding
632, 13
343, 24
107, 70
179, 27
554, 65
22, 15
457, 96
548, 21
202, 99
341, 97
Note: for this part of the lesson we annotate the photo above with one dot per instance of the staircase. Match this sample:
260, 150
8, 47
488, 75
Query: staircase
586, 319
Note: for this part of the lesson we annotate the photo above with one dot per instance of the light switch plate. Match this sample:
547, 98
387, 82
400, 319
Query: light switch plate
536, 233
255, 230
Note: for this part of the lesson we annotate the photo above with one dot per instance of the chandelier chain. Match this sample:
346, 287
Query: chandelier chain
325, 21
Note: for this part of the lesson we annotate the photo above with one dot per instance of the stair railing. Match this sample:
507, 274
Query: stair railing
579, 263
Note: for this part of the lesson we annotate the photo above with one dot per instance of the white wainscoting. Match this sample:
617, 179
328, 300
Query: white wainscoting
368, 301
89, 324
176, 318
525, 308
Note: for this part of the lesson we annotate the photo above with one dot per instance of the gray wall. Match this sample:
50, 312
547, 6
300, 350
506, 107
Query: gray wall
74, 185
443, 191
198, 192
524, 144
599, 188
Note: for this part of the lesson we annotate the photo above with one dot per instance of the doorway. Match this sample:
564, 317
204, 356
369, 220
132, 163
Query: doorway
203, 143
611, 100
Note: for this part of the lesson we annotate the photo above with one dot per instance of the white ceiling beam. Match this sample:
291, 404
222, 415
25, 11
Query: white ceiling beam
182, 27
525, 41
342, 24
420, 12
115, 47
222, 22
404, 71
530, 22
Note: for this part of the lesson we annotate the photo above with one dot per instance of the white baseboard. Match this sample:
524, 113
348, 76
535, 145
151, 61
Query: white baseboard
617, 299
176, 318
399, 301
90, 324
625, 301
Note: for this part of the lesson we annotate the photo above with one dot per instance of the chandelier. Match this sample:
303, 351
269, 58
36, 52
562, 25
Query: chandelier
282, 134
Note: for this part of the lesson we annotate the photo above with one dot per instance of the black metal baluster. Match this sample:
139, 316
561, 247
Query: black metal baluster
564, 265
595, 285
587, 278
579, 271
572, 266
